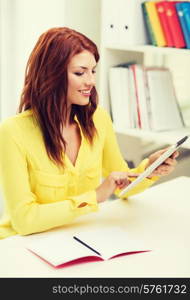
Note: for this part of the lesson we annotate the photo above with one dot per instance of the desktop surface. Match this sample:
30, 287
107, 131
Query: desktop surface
159, 216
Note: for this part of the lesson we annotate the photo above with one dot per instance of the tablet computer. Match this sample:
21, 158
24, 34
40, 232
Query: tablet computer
154, 165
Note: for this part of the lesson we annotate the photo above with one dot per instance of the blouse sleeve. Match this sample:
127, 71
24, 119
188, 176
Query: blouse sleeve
113, 160
26, 213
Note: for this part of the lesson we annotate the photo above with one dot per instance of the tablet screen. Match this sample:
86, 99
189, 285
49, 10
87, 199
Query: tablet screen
154, 165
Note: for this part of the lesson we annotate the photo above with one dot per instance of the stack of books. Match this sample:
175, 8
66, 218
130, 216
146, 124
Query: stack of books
144, 98
167, 23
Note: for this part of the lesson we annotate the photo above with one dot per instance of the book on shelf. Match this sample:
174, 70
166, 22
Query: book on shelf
141, 96
164, 23
148, 26
144, 98
152, 13
63, 249
186, 10
119, 87
135, 113
164, 108
174, 24
183, 11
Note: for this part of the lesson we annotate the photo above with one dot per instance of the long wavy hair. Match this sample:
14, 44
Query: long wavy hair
46, 84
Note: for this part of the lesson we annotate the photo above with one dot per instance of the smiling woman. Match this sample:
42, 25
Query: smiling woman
55, 151
81, 78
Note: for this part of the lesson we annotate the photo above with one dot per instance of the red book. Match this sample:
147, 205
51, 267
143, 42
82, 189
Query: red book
133, 68
164, 23
174, 24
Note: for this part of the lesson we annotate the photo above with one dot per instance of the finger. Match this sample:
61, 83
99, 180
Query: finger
132, 175
170, 162
124, 184
175, 154
163, 170
120, 183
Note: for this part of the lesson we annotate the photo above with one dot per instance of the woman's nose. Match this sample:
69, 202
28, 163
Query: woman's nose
90, 80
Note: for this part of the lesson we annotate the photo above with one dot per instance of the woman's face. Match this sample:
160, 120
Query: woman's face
81, 78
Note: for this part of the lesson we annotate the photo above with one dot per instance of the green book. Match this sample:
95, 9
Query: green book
149, 29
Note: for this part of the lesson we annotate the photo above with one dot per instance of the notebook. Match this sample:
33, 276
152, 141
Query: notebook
154, 165
63, 249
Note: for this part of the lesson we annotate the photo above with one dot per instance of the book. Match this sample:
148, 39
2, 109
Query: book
168, 153
186, 10
133, 102
164, 23
148, 26
174, 24
164, 108
183, 11
136, 98
62, 249
155, 23
120, 98
141, 96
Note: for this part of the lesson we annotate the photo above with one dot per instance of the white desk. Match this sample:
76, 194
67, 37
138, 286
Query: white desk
160, 216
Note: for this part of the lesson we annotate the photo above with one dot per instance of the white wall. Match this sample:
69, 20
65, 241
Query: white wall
23, 21
84, 16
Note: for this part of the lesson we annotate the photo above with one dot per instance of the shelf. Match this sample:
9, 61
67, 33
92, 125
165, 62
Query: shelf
148, 48
165, 137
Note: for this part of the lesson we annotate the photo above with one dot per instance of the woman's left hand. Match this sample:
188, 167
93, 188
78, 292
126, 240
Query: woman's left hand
167, 166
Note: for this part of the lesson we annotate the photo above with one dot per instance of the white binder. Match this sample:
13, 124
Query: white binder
123, 23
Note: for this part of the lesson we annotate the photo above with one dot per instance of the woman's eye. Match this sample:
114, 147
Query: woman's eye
93, 71
78, 73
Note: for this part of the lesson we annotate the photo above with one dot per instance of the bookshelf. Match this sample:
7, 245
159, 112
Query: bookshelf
113, 53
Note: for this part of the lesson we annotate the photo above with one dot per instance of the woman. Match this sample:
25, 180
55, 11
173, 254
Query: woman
54, 152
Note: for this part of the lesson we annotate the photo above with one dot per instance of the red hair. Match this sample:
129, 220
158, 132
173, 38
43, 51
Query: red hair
45, 87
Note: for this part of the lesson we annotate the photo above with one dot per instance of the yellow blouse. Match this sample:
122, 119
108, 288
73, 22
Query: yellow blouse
38, 195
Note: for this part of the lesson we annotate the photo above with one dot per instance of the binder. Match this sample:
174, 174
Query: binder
155, 23
123, 23
109, 20
131, 23
164, 23
182, 11
174, 24
186, 9
148, 26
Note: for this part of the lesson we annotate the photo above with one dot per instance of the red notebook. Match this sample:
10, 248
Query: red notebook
62, 249
164, 23
174, 24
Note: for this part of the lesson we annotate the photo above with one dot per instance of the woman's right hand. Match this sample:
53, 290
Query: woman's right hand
114, 180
